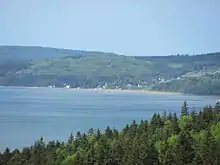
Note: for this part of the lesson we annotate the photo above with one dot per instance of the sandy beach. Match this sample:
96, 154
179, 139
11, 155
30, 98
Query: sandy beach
124, 90
101, 90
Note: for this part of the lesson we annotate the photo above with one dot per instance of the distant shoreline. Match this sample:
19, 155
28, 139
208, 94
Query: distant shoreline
101, 90
125, 90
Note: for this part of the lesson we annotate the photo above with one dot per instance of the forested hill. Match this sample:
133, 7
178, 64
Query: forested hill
38, 66
37, 52
191, 139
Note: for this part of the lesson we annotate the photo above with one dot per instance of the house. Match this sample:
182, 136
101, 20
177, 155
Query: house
67, 86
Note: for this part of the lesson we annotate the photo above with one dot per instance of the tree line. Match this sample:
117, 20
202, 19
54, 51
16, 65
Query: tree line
193, 138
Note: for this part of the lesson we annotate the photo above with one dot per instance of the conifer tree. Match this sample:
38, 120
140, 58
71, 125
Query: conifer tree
184, 109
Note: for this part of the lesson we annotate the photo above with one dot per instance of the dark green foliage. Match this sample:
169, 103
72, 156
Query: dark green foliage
191, 139
208, 84
184, 110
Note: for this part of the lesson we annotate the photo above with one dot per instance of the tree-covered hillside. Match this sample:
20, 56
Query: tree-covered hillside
37, 52
208, 84
39, 66
191, 139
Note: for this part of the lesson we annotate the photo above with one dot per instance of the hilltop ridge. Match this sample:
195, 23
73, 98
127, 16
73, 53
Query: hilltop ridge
38, 66
39, 52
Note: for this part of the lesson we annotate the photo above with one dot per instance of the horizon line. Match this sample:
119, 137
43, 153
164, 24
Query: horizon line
108, 52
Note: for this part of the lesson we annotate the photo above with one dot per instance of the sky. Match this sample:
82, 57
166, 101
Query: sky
130, 27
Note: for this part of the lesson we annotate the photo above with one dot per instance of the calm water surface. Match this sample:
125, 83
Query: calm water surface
26, 114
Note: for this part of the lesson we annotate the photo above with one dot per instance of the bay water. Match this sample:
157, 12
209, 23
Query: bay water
26, 114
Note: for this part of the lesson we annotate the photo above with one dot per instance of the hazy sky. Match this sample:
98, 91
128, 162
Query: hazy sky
132, 27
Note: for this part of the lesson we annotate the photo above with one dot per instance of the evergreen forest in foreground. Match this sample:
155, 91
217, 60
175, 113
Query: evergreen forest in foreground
193, 138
